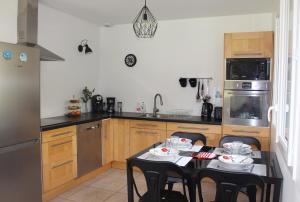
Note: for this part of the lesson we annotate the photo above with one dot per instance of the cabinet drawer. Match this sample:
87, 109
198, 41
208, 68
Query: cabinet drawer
58, 174
246, 131
142, 138
148, 124
58, 151
195, 128
56, 134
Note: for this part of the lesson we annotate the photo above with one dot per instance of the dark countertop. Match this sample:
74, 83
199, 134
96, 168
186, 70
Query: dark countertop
63, 121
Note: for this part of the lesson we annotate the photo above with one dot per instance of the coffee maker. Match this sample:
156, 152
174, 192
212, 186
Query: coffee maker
110, 103
97, 104
207, 109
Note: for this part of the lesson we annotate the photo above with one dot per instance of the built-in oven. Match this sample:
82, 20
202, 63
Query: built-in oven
256, 69
246, 103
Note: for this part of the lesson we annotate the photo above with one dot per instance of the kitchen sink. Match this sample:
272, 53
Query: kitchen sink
163, 116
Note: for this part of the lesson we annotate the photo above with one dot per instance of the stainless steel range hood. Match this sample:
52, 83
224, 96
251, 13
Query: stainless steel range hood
28, 28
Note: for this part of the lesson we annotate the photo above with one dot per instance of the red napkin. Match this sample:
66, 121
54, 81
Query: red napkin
205, 155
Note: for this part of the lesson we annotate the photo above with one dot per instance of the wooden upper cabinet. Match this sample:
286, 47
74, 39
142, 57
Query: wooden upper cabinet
107, 135
248, 45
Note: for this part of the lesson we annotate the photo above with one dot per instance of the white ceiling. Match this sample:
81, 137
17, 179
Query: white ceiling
114, 12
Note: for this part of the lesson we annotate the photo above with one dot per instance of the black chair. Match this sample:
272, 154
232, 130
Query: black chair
228, 185
244, 139
195, 137
156, 174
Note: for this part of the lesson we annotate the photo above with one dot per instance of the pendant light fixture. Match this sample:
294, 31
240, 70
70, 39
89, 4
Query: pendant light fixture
145, 24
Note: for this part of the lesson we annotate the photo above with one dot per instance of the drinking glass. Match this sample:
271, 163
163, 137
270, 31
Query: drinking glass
174, 141
235, 147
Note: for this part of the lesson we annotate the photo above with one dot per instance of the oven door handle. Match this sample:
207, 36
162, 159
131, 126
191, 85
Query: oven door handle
271, 108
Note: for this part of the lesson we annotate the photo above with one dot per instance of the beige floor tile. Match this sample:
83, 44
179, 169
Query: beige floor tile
117, 197
60, 200
90, 194
110, 182
71, 192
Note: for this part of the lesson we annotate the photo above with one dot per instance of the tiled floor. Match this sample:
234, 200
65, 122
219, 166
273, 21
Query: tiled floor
111, 187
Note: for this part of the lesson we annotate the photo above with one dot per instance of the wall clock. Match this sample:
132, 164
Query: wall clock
130, 60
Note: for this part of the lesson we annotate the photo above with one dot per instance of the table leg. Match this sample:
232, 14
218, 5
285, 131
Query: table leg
268, 192
129, 183
277, 191
192, 191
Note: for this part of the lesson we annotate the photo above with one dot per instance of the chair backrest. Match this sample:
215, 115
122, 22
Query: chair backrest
229, 184
192, 136
244, 139
156, 174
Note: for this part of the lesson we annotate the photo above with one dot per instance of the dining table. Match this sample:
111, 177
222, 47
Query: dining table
265, 165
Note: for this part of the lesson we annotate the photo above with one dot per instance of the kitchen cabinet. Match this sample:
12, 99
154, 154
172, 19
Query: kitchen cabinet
261, 133
248, 45
59, 157
107, 141
145, 133
211, 132
120, 139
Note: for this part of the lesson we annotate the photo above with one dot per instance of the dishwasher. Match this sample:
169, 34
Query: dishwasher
89, 152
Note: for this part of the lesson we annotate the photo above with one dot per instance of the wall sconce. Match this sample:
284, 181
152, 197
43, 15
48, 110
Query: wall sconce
84, 47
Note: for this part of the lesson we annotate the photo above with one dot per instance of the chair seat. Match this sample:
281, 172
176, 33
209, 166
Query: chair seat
167, 196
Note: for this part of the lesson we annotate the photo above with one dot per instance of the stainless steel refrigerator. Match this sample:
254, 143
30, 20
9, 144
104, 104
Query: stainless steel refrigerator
20, 156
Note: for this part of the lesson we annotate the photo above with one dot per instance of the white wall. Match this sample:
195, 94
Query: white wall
62, 33
8, 20
180, 48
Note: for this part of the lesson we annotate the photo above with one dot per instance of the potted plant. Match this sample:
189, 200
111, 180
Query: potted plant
86, 96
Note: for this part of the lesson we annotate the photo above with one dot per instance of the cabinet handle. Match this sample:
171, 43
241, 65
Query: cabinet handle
192, 128
62, 143
146, 125
257, 53
146, 132
245, 131
93, 127
62, 164
61, 134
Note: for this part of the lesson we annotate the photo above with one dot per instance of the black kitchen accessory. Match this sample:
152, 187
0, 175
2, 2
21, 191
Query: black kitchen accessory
183, 82
193, 82
198, 92
97, 104
207, 109
218, 113
111, 101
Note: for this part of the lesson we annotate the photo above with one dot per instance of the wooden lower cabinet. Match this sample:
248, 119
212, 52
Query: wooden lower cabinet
211, 132
121, 139
142, 138
59, 157
107, 135
261, 133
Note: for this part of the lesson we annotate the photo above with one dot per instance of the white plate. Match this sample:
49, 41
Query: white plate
236, 159
228, 145
164, 152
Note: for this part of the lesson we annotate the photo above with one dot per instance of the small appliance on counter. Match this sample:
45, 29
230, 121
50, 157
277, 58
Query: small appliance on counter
207, 108
218, 113
110, 102
97, 104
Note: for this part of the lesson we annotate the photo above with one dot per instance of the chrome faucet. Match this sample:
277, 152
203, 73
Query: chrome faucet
155, 109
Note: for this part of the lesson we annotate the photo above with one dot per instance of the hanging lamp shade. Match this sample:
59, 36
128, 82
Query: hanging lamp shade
145, 24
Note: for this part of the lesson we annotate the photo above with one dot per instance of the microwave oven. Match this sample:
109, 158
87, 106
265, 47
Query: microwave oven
253, 69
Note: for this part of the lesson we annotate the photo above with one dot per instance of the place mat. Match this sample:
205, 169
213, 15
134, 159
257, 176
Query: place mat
257, 169
179, 160
254, 154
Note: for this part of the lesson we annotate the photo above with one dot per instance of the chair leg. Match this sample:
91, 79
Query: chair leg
251, 192
170, 186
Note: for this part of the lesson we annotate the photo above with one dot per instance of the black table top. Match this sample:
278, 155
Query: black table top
63, 121
273, 172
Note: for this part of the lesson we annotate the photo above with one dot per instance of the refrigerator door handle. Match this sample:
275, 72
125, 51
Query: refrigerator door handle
4, 150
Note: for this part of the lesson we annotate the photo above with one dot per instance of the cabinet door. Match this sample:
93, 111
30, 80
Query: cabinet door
121, 139
107, 141
249, 44
142, 138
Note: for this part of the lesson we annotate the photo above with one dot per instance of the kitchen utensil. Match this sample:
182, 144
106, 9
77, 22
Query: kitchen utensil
193, 82
198, 92
183, 82
202, 91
